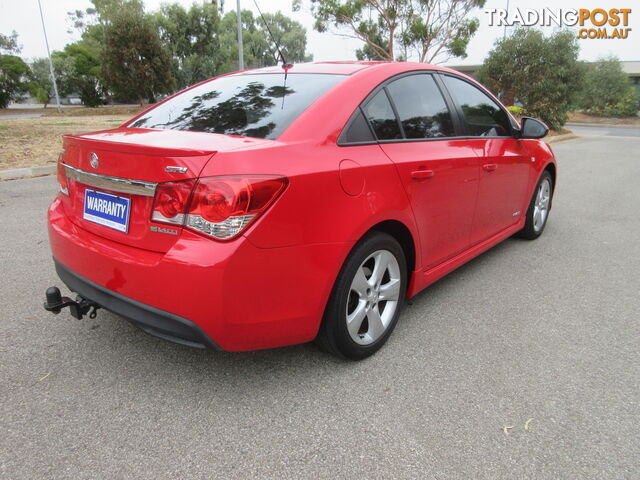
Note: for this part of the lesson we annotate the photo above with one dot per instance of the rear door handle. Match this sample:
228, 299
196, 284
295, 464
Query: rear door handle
490, 167
421, 174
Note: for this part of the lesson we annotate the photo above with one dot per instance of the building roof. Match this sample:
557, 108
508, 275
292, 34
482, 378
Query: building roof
631, 68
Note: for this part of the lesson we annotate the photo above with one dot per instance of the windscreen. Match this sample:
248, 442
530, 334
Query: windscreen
254, 105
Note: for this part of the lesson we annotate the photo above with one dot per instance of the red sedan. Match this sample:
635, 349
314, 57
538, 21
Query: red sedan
272, 207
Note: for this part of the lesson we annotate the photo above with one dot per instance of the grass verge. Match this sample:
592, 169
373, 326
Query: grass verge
34, 142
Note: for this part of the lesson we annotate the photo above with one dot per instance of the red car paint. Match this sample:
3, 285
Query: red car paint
268, 287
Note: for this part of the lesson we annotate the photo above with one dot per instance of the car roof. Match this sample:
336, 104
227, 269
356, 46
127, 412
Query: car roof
343, 68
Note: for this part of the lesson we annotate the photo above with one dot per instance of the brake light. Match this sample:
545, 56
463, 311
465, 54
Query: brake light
220, 207
171, 201
62, 176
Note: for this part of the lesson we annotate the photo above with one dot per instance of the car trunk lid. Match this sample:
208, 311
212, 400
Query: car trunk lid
112, 178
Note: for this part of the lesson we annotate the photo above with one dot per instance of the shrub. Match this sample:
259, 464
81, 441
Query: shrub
516, 110
607, 91
542, 73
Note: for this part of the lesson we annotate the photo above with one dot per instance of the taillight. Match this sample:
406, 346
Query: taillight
62, 176
220, 207
223, 206
171, 201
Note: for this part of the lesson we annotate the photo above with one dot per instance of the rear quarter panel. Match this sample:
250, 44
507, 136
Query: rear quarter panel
316, 207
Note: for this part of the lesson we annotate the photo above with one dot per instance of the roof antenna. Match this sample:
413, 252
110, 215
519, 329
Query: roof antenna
286, 66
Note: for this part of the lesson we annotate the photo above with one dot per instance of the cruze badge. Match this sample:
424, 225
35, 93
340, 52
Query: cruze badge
170, 231
93, 160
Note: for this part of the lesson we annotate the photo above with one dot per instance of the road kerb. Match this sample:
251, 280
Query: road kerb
18, 173
601, 125
561, 138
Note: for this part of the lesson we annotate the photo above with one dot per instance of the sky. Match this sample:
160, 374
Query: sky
23, 17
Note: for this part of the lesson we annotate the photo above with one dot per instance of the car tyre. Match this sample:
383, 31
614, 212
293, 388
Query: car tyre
367, 298
539, 208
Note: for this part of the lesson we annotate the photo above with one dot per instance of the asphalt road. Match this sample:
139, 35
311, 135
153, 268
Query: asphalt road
545, 330
594, 130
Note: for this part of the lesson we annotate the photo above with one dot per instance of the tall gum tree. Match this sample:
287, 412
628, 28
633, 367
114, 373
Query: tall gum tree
429, 31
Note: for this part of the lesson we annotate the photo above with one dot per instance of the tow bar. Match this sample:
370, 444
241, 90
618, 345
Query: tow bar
78, 307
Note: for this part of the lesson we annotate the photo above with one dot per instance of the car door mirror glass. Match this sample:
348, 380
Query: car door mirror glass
533, 128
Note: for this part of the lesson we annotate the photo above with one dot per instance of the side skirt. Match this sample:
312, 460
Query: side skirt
422, 279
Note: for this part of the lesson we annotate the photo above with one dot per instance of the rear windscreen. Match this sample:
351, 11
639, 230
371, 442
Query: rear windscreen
258, 105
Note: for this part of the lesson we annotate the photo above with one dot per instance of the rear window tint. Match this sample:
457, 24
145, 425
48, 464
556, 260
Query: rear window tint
381, 117
421, 108
358, 130
257, 105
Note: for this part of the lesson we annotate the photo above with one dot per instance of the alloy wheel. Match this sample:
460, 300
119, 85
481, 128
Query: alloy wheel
541, 205
373, 297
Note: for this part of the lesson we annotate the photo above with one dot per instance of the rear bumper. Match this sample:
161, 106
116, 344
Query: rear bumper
152, 320
232, 296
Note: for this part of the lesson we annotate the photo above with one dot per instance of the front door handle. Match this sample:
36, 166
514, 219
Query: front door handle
421, 174
490, 167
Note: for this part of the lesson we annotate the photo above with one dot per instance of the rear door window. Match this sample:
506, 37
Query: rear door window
421, 107
251, 105
482, 116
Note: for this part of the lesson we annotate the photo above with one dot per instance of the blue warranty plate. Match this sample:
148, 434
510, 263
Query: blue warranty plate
106, 209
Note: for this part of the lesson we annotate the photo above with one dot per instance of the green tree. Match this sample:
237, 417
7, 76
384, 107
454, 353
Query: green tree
78, 71
607, 91
253, 41
13, 79
92, 22
41, 85
540, 72
9, 43
259, 49
14, 72
290, 35
102, 12
433, 30
192, 37
134, 63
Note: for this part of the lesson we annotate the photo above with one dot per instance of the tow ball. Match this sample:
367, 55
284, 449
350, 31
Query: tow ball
78, 307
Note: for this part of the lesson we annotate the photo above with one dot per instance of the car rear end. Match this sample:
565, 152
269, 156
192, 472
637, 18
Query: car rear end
136, 229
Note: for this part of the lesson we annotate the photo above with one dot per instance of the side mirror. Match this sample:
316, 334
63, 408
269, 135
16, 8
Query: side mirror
532, 128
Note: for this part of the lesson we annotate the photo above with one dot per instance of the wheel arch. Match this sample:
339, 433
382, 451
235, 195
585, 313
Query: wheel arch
551, 168
402, 234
